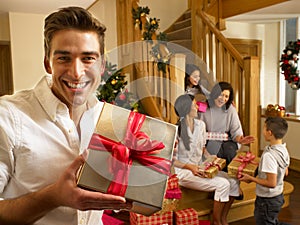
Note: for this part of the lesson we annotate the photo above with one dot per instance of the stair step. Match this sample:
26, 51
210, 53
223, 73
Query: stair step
182, 34
202, 202
183, 43
187, 15
182, 24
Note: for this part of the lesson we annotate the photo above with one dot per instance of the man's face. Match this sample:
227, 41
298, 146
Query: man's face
76, 66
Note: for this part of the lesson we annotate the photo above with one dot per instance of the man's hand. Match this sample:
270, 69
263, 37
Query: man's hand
67, 193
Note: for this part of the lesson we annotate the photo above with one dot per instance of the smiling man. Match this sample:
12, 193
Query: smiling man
44, 131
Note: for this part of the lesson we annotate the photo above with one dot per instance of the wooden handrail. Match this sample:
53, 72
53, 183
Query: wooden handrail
218, 35
227, 64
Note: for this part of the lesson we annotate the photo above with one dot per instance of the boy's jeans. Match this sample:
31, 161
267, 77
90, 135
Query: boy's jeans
267, 210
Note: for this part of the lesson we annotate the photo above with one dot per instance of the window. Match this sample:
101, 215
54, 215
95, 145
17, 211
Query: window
288, 97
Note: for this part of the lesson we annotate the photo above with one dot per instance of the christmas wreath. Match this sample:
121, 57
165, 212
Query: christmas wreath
289, 64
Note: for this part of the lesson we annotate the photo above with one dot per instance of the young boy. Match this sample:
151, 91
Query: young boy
271, 171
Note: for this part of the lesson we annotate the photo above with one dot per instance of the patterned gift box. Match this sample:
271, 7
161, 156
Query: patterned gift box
244, 162
172, 182
204, 222
211, 166
186, 216
156, 219
174, 193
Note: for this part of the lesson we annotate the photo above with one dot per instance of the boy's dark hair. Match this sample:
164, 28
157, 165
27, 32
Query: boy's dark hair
182, 107
71, 18
277, 125
217, 90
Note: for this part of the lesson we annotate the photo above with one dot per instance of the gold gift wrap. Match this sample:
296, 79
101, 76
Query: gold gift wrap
211, 166
145, 187
169, 204
250, 167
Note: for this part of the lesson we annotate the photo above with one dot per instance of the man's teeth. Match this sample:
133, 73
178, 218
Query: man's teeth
77, 85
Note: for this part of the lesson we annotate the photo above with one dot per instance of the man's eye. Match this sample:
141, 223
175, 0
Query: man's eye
64, 59
89, 59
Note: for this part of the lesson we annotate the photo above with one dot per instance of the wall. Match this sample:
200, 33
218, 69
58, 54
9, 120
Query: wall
290, 139
4, 24
269, 34
26, 35
165, 10
105, 11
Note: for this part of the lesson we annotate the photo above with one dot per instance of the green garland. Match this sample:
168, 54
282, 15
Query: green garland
151, 29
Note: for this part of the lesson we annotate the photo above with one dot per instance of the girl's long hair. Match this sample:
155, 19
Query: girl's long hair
182, 107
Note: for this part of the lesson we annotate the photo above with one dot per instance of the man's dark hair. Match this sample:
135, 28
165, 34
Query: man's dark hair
72, 18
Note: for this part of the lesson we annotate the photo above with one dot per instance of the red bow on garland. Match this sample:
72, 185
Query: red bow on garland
136, 145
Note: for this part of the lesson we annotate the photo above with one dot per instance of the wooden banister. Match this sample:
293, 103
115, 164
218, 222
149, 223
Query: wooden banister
227, 64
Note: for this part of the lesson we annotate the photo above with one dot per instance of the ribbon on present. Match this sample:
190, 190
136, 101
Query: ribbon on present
244, 160
213, 163
136, 145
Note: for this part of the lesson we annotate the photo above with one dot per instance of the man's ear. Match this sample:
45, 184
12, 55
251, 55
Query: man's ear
102, 67
47, 65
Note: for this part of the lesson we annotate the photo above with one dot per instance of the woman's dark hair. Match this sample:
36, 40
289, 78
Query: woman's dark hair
72, 18
217, 91
182, 107
189, 69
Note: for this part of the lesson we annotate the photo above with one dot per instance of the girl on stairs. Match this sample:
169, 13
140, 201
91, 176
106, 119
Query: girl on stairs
189, 155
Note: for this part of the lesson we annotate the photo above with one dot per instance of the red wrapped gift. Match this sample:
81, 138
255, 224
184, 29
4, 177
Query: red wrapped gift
186, 216
128, 157
155, 219
173, 193
172, 182
204, 222
202, 106
109, 220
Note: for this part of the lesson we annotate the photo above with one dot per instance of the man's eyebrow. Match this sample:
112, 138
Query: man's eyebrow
90, 53
62, 52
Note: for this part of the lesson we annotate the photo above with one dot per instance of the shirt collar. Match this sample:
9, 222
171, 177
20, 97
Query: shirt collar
50, 103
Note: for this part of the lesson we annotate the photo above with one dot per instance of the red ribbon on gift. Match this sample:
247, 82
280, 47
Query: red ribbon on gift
211, 164
245, 160
136, 145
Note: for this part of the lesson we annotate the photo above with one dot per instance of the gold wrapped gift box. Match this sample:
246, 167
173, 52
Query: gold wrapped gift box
145, 187
245, 161
211, 166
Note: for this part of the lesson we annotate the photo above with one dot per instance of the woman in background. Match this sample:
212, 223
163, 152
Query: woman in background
190, 151
192, 80
222, 120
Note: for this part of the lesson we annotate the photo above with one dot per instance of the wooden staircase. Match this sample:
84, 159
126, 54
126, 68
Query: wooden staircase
198, 33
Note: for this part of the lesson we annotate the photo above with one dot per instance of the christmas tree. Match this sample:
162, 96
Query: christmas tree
113, 89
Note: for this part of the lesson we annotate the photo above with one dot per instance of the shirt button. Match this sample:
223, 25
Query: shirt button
81, 221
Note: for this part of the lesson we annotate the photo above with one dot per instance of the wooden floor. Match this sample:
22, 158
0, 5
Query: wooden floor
290, 214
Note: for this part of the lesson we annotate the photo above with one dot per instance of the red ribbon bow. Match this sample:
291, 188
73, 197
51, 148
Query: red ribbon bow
245, 160
211, 164
136, 145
